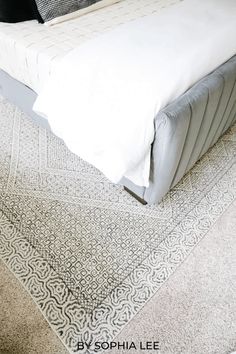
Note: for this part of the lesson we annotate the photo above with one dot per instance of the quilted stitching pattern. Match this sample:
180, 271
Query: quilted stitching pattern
38, 47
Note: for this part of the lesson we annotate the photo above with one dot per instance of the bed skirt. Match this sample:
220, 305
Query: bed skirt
184, 130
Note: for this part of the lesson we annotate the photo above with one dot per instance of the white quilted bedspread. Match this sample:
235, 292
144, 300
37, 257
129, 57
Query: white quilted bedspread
29, 50
102, 97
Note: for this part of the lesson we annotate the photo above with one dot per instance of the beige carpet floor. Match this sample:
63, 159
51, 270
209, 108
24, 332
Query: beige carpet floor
194, 312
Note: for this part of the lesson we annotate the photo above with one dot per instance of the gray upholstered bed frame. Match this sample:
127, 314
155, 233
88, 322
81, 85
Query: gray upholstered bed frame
21, 95
187, 128
184, 130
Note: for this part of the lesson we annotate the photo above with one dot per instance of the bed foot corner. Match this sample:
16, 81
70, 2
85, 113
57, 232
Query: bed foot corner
140, 200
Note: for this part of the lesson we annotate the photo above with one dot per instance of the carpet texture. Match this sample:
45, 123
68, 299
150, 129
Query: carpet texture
24, 330
194, 312
88, 253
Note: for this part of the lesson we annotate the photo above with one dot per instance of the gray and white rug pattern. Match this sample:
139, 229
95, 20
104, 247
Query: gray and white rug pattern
88, 253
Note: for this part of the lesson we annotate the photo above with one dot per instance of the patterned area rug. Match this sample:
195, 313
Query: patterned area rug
88, 253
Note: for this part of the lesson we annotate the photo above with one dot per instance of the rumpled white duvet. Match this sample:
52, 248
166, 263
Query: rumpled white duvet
103, 96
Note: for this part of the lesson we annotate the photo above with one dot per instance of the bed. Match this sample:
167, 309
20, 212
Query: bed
184, 130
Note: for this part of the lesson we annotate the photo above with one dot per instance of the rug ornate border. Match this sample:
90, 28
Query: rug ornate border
65, 315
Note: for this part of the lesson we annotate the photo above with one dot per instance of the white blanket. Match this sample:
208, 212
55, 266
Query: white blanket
102, 97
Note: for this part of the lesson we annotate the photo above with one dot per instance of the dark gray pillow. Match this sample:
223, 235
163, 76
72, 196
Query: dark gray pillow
18, 10
50, 9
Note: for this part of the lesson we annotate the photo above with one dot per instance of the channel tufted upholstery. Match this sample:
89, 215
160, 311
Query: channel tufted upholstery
187, 128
